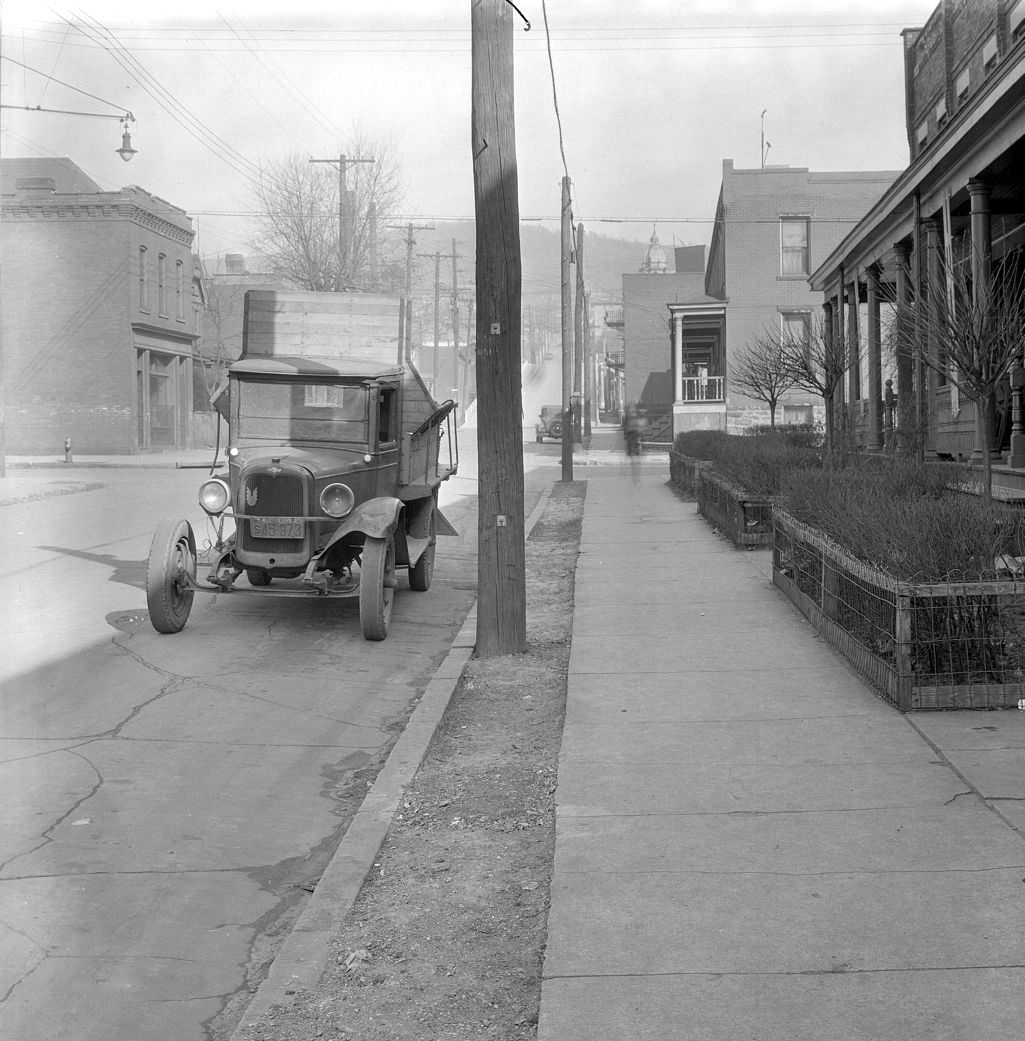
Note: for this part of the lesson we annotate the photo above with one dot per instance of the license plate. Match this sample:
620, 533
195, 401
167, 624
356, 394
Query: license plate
276, 528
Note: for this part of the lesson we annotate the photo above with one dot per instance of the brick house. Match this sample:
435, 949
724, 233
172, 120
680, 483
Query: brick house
644, 324
100, 312
772, 227
959, 206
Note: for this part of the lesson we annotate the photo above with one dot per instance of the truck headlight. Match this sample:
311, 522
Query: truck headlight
214, 497
336, 500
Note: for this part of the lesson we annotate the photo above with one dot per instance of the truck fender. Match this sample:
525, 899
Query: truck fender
376, 518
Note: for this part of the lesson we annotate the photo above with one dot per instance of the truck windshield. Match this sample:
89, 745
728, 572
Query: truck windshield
291, 410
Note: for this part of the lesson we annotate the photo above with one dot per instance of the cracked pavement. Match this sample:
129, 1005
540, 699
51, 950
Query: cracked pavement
170, 801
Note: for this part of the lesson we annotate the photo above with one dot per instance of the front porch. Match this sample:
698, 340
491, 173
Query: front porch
698, 364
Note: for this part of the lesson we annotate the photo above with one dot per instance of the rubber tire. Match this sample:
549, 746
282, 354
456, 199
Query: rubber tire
257, 576
555, 430
376, 586
421, 573
172, 556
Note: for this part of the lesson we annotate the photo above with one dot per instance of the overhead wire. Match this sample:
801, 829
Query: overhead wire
281, 78
70, 86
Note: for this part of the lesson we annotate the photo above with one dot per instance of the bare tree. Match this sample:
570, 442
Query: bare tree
319, 237
972, 332
816, 359
761, 373
818, 362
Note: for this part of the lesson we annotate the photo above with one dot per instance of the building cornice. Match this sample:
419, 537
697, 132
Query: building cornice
81, 208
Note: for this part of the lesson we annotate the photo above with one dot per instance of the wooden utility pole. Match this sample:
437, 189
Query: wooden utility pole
567, 335
578, 341
344, 217
455, 321
435, 374
501, 566
588, 369
408, 323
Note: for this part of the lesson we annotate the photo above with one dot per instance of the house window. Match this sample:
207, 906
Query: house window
990, 53
962, 83
162, 283
1016, 21
922, 137
941, 113
795, 327
179, 290
799, 414
793, 246
143, 279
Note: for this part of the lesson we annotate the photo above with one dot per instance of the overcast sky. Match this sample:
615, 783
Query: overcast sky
653, 96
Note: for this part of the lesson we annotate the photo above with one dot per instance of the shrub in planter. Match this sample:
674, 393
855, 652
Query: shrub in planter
754, 464
906, 519
699, 444
801, 435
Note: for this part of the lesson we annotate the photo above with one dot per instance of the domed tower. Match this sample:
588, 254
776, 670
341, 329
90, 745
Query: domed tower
655, 262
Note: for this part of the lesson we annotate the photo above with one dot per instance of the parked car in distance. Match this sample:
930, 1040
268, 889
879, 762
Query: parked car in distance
549, 423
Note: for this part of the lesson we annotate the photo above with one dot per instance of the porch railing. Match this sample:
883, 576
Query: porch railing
702, 388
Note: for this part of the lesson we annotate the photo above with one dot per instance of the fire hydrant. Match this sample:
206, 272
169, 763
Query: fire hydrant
67, 449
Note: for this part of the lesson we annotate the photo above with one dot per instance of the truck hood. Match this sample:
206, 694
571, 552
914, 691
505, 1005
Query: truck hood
320, 462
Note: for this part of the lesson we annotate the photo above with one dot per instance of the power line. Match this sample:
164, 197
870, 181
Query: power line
555, 95
165, 99
70, 86
280, 77
543, 219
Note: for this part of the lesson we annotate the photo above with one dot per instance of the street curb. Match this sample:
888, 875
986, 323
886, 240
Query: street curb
301, 960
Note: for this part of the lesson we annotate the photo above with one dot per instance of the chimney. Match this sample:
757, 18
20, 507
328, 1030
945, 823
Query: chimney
689, 258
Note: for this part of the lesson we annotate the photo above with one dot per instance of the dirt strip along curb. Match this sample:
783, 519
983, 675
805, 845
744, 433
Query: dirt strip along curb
302, 957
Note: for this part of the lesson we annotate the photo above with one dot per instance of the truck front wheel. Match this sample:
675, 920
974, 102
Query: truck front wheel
169, 576
376, 586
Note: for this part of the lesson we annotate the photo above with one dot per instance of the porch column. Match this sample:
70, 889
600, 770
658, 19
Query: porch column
906, 433
982, 239
678, 357
852, 355
874, 434
982, 268
932, 290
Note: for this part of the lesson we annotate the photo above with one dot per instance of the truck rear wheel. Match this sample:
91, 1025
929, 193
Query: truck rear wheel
421, 573
169, 575
376, 586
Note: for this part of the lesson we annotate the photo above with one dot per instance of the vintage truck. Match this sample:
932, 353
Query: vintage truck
336, 451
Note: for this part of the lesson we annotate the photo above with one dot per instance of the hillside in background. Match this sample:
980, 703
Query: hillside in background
606, 260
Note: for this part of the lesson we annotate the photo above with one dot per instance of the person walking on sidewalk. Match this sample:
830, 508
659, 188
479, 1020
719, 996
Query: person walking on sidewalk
634, 424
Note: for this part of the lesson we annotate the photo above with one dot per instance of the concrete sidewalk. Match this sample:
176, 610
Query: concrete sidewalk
751, 845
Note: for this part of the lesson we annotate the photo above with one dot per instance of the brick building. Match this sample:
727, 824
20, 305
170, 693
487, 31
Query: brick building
645, 324
100, 305
773, 226
959, 206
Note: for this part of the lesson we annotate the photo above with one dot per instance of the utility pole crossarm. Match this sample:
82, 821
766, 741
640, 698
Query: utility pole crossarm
344, 231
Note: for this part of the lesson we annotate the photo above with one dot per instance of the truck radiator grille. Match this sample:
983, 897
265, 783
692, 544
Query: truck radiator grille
264, 495
267, 496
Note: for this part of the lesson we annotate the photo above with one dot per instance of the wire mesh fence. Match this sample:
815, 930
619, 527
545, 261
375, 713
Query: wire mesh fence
922, 645
746, 520
684, 471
